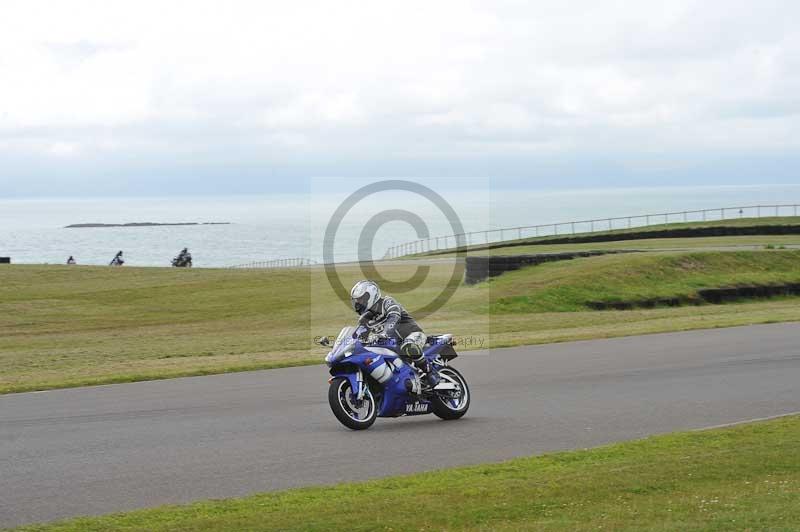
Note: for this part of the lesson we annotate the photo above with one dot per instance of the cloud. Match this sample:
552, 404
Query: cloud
119, 87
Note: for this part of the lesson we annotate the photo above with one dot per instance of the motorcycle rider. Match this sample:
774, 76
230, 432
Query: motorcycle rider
117, 260
387, 318
183, 257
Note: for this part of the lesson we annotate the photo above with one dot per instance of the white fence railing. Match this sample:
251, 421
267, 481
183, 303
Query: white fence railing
278, 263
489, 236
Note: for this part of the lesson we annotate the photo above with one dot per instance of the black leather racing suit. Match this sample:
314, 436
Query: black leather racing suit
388, 317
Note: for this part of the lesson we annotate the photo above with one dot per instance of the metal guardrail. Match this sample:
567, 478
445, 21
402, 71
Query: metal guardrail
488, 236
278, 263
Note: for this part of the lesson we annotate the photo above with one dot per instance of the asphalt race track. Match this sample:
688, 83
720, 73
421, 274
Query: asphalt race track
119, 447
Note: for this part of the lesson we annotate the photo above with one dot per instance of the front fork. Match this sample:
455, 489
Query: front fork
360, 385
357, 385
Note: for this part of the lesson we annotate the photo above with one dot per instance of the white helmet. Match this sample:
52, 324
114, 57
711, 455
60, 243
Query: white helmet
364, 295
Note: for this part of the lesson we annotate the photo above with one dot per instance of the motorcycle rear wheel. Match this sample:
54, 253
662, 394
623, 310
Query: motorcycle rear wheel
449, 407
347, 409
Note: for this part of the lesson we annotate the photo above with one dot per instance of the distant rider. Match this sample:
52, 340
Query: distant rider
117, 260
71, 260
183, 258
385, 317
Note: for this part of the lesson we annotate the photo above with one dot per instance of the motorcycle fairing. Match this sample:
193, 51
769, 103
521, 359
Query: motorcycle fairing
394, 398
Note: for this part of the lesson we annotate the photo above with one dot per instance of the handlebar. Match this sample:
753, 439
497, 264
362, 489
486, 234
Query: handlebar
360, 332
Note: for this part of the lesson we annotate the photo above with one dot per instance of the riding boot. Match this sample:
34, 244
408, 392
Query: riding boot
414, 385
429, 376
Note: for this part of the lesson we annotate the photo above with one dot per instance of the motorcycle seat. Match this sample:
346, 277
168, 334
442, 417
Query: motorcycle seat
439, 339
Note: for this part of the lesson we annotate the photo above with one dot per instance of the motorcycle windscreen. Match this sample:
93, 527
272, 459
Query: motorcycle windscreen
343, 344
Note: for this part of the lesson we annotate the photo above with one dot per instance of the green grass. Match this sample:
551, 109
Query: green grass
569, 286
739, 478
707, 243
542, 245
72, 326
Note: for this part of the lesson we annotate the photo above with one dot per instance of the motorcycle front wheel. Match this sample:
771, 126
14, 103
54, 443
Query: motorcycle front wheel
451, 404
350, 411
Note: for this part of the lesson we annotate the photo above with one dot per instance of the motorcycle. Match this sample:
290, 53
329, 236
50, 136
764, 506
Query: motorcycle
182, 262
369, 380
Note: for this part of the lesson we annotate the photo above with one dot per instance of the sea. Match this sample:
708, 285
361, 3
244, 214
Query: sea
260, 228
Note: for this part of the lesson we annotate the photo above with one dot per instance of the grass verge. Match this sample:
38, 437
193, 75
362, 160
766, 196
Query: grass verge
772, 230
72, 326
745, 477
711, 243
571, 285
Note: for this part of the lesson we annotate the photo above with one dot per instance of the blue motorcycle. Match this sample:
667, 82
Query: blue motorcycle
371, 380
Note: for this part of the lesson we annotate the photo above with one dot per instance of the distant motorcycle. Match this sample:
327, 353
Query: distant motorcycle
117, 260
370, 380
182, 261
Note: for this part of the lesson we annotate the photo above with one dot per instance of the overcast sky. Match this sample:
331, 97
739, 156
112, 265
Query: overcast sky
195, 97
